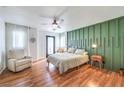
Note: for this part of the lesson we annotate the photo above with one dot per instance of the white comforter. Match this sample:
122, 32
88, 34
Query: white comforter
65, 61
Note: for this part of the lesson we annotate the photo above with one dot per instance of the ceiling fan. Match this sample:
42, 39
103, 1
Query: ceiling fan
55, 23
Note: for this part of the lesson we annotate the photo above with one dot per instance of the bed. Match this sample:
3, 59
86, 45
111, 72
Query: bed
65, 61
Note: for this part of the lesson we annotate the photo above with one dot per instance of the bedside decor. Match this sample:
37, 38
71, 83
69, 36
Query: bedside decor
32, 39
94, 46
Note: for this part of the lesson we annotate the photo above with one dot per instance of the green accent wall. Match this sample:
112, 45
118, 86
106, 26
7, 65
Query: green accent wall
109, 37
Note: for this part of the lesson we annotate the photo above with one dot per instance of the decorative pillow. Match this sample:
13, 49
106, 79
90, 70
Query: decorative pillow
71, 50
80, 51
85, 53
60, 50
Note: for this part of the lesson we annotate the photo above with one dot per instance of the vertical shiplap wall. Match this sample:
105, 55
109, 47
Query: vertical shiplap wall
109, 37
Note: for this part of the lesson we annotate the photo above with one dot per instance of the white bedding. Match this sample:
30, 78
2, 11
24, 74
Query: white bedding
65, 61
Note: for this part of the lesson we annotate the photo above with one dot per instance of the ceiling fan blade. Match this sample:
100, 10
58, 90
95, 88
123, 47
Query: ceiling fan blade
58, 27
45, 24
46, 17
60, 21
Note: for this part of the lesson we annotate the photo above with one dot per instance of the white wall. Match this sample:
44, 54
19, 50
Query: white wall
42, 42
2, 46
33, 45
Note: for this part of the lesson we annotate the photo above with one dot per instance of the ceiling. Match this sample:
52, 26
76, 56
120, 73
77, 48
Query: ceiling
74, 16
44, 11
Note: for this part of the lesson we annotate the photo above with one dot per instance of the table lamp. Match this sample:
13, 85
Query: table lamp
94, 46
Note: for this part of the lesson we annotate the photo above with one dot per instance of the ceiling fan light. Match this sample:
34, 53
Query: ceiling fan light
54, 25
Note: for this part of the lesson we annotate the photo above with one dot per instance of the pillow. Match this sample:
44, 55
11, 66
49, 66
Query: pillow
80, 51
60, 50
85, 53
71, 50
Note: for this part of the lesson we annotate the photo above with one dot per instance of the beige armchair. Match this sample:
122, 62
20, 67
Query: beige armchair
17, 61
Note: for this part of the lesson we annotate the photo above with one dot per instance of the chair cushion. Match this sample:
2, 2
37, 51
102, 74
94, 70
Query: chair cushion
19, 68
22, 62
18, 65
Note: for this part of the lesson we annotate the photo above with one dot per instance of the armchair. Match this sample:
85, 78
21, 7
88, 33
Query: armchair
17, 61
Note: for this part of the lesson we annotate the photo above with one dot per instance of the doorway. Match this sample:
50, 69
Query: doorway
50, 45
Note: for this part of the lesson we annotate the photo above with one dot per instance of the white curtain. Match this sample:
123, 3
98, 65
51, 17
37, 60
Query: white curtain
18, 41
17, 37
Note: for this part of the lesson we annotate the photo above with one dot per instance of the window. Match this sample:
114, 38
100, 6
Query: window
18, 39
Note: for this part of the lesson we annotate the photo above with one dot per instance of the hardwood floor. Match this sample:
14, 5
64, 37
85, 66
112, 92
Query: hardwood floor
40, 76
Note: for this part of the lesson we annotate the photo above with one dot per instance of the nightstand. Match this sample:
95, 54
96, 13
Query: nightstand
97, 58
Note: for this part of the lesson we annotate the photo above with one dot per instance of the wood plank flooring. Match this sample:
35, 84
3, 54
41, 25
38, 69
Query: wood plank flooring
40, 76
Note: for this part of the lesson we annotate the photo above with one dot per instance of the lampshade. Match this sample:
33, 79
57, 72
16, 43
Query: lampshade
94, 46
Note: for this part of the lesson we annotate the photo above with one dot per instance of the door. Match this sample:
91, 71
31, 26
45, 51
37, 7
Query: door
50, 45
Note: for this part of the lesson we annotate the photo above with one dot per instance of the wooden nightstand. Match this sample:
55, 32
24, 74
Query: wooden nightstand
97, 58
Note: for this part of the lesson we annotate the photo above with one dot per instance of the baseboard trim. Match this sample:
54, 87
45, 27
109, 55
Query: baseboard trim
38, 59
1, 71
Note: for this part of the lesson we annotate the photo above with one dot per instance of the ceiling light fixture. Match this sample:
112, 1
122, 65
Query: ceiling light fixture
54, 24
